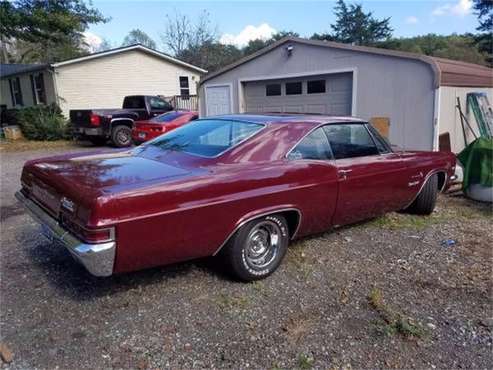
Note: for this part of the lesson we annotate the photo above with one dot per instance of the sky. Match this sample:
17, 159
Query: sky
240, 21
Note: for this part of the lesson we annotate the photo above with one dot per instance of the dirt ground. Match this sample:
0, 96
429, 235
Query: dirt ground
387, 293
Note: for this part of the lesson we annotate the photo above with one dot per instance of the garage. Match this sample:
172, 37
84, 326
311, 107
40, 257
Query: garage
412, 97
323, 94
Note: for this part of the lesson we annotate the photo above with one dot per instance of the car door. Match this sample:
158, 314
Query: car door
370, 177
312, 165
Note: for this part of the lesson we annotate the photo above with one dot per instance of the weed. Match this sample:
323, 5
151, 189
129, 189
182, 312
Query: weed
305, 362
393, 322
225, 302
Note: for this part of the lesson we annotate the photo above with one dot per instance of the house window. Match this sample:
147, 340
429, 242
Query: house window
38, 86
315, 87
184, 86
293, 88
273, 89
15, 91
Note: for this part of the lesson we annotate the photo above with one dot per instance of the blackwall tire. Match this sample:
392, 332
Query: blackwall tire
121, 136
425, 202
257, 249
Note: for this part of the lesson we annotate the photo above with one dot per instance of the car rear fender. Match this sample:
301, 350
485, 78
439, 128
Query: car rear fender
121, 121
293, 217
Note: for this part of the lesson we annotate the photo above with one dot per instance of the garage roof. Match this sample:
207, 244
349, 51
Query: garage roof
447, 72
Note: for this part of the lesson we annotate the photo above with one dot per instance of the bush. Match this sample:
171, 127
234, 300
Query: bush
43, 122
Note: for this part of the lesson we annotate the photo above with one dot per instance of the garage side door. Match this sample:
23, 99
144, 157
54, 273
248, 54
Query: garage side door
325, 94
218, 100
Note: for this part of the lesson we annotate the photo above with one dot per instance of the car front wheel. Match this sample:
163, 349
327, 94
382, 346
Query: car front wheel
256, 250
121, 136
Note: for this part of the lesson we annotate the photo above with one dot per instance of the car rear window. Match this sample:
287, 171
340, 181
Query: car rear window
167, 117
207, 137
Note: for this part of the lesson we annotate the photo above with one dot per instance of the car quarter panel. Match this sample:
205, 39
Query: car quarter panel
190, 219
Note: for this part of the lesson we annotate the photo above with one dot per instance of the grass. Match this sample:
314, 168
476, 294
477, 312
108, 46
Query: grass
305, 362
394, 322
26, 145
297, 258
229, 302
398, 221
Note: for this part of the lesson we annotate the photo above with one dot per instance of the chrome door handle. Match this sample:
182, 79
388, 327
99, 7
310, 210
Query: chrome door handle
344, 172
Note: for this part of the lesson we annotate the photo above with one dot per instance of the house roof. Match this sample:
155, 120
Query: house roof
447, 72
129, 48
7, 70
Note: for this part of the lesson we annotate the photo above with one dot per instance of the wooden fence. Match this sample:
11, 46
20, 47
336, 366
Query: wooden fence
186, 102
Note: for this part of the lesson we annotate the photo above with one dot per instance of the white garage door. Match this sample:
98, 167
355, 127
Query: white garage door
326, 94
218, 100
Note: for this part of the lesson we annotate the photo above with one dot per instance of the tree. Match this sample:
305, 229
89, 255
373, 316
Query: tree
484, 40
137, 36
181, 34
211, 55
49, 29
458, 47
255, 45
353, 25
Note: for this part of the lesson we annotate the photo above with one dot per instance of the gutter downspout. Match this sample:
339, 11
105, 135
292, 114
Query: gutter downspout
55, 84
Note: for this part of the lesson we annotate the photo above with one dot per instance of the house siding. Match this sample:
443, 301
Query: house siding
104, 82
449, 119
385, 86
27, 91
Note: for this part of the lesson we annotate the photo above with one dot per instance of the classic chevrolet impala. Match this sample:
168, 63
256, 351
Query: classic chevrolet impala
237, 186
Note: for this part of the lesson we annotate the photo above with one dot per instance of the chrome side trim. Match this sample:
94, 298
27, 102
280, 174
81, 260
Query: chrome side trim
243, 222
98, 259
424, 183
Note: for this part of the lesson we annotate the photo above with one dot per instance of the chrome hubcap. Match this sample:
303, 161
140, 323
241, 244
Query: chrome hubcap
262, 245
123, 137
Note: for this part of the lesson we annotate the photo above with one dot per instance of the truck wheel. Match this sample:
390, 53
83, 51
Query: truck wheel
97, 140
256, 250
424, 204
121, 136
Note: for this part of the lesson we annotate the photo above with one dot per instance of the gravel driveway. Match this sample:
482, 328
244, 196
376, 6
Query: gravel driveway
387, 293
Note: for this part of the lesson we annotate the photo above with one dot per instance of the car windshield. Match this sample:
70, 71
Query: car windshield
167, 117
207, 137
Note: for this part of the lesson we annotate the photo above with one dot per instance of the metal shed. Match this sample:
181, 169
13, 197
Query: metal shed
415, 92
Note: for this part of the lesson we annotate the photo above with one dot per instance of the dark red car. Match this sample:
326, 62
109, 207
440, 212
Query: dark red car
149, 129
238, 186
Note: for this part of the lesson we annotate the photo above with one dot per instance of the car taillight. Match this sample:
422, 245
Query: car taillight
163, 129
93, 236
95, 120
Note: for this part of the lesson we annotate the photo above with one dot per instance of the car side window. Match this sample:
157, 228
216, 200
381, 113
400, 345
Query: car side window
382, 144
350, 140
313, 146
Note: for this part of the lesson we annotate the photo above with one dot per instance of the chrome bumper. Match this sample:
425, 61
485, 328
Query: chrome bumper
98, 259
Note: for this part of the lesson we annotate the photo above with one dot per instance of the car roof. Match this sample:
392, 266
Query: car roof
280, 118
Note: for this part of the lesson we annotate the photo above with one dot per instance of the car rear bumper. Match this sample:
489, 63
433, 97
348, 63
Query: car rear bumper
98, 259
89, 131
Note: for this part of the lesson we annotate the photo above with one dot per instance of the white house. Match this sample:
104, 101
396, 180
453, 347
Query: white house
99, 80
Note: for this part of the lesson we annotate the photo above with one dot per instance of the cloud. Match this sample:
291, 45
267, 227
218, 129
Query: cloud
461, 8
412, 20
93, 41
263, 32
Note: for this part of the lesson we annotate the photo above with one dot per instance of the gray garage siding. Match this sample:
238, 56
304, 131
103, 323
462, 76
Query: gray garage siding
398, 88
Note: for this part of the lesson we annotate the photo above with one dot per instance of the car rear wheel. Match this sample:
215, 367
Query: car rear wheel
256, 250
424, 204
121, 136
